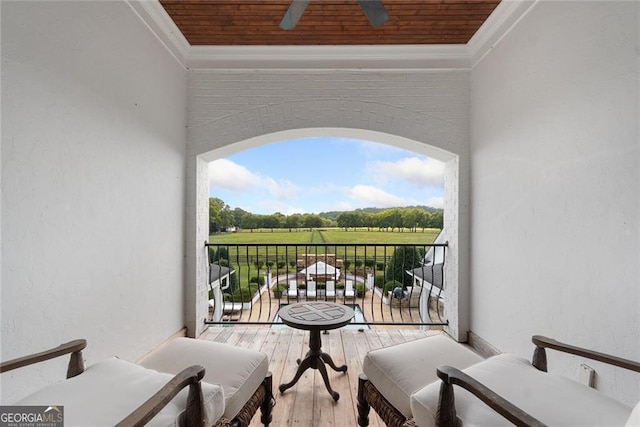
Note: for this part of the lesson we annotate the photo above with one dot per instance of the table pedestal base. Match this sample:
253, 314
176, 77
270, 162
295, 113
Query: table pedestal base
315, 359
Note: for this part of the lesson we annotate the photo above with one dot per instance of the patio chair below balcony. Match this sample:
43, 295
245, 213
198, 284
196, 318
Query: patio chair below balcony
292, 292
349, 292
311, 289
330, 289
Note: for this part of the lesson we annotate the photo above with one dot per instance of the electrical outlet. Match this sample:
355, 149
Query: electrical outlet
586, 374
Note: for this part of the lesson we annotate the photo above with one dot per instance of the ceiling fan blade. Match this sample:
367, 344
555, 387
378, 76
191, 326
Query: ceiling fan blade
295, 11
374, 11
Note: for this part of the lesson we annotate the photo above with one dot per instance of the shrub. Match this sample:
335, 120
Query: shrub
221, 254
380, 266
378, 281
281, 264
359, 263
279, 290
391, 285
369, 262
404, 258
361, 289
244, 294
257, 279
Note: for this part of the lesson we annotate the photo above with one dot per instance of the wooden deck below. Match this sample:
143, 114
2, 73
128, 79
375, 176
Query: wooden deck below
308, 403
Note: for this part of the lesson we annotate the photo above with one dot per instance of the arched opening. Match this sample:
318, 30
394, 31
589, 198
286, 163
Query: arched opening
197, 290
214, 132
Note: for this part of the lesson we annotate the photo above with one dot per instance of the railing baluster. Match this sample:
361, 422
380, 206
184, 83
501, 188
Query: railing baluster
420, 306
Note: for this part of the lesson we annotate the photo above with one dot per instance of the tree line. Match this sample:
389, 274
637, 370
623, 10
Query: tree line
222, 217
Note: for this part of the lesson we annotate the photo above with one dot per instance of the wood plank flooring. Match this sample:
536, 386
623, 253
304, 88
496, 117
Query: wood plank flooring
308, 403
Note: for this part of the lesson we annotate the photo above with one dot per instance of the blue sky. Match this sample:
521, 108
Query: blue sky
313, 175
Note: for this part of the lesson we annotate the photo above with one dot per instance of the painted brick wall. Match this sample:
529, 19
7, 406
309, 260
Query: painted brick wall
556, 185
93, 182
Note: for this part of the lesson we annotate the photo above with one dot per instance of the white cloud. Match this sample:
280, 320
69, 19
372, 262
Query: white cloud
436, 202
368, 196
272, 206
227, 175
416, 171
281, 190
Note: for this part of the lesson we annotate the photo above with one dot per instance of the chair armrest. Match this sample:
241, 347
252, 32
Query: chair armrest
542, 342
194, 415
446, 414
76, 364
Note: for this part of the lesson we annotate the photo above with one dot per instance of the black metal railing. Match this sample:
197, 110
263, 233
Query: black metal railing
387, 284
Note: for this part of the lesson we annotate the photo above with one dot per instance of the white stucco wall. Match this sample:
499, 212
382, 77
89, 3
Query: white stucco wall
230, 110
93, 179
556, 186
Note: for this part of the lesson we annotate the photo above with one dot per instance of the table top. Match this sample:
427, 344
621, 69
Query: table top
316, 315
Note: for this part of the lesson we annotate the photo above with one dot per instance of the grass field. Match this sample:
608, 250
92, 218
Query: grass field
327, 235
284, 246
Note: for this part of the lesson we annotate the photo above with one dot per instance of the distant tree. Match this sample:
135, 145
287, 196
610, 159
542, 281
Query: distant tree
390, 218
220, 216
293, 221
250, 221
351, 219
436, 220
311, 221
272, 221
238, 215
411, 218
369, 221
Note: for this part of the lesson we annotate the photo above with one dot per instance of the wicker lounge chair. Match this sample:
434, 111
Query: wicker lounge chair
502, 390
117, 392
391, 375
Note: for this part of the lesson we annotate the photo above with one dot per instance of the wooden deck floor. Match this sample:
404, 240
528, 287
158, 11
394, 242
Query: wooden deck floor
308, 403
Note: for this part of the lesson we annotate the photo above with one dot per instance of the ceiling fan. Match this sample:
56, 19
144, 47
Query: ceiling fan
373, 9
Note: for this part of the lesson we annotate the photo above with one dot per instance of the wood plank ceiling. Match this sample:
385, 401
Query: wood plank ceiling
327, 22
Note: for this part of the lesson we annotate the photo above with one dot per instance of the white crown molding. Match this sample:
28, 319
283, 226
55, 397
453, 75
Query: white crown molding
391, 57
358, 57
160, 23
504, 17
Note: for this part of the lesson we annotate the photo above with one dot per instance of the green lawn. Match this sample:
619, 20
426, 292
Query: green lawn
285, 246
326, 235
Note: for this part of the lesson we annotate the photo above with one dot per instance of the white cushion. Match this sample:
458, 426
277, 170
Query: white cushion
634, 418
239, 371
109, 390
553, 399
399, 371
